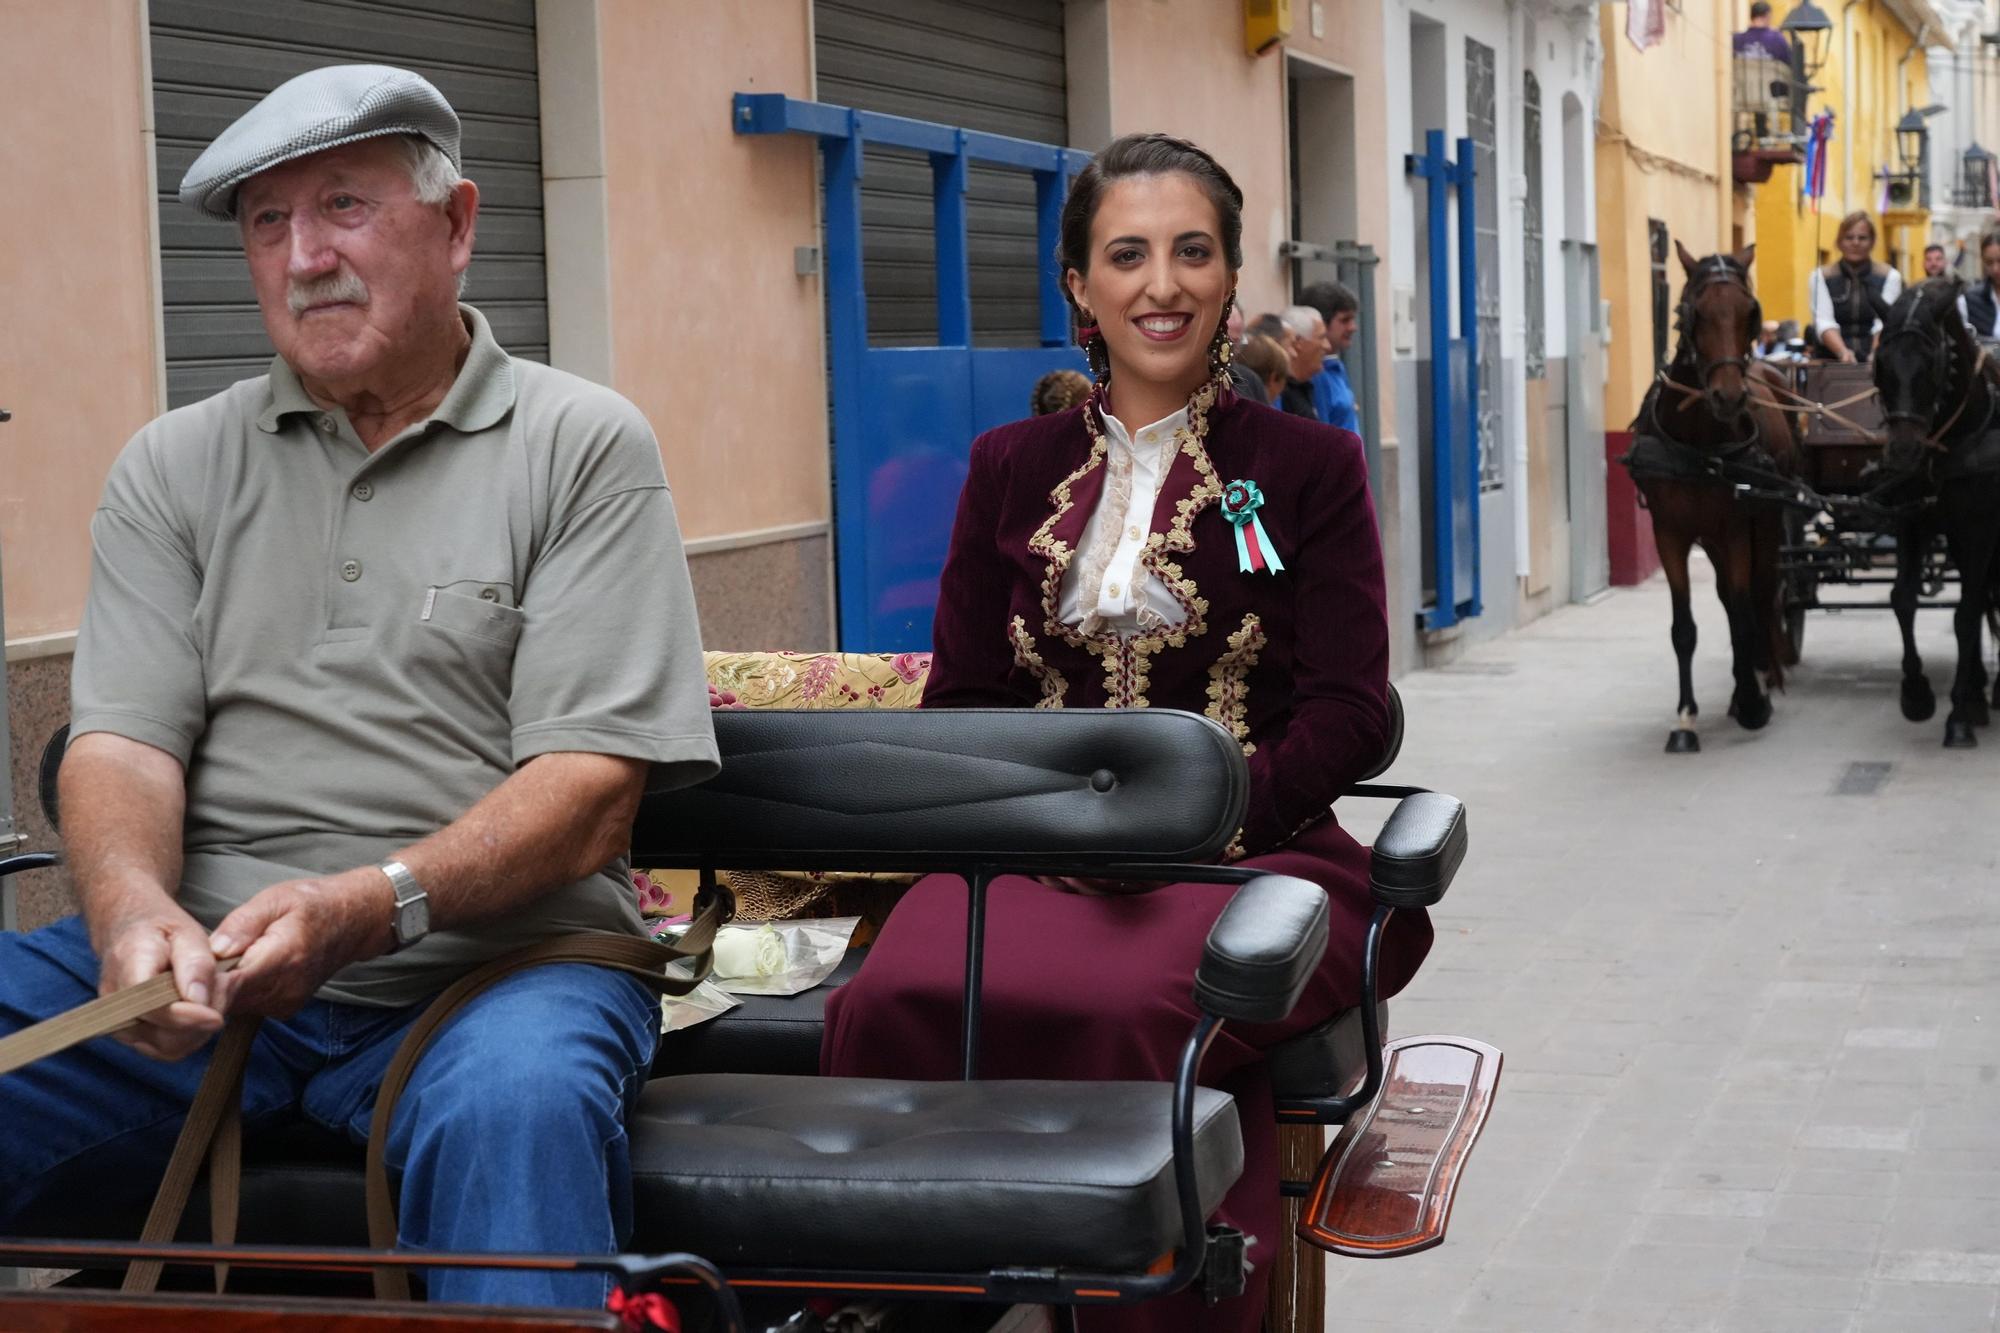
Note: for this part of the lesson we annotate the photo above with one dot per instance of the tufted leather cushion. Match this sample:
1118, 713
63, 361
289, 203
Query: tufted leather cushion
939, 1177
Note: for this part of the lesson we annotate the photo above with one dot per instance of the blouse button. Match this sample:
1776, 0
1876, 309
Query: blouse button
1113, 590
1150, 437
1133, 532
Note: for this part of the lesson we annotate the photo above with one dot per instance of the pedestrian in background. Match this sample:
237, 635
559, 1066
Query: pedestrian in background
1333, 396
1307, 349
1058, 391
1266, 363
1935, 263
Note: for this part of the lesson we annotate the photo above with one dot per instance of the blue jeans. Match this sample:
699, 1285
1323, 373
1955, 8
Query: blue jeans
509, 1137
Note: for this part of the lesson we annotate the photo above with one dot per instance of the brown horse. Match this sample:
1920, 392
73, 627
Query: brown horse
1700, 434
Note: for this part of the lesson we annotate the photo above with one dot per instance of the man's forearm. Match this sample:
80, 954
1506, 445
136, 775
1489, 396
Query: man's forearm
558, 818
123, 803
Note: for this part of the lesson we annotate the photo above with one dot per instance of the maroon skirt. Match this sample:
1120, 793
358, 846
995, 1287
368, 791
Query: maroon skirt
1103, 988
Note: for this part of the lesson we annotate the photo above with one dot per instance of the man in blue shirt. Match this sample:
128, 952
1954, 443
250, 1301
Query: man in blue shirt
1333, 397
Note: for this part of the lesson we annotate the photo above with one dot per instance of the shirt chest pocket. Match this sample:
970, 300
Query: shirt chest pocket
481, 617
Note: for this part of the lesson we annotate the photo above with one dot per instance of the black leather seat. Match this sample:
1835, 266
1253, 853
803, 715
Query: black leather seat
945, 1177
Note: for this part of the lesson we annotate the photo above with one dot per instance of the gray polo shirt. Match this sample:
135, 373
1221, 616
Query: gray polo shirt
347, 650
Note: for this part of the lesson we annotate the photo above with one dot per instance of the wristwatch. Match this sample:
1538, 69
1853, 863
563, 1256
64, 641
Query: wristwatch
412, 918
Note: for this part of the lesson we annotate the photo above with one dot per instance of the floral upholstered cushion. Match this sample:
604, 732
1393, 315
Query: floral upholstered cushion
801, 680
821, 680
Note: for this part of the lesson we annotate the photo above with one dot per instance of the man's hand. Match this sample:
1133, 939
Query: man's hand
1847, 356
138, 947
294, 935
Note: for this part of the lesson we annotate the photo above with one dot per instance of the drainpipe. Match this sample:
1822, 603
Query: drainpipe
1847, 203
1923, 168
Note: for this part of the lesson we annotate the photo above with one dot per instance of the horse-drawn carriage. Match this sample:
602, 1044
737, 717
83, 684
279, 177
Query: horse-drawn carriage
973, 1195
1801, 478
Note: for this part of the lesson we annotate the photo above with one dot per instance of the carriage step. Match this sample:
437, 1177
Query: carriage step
1385, 1185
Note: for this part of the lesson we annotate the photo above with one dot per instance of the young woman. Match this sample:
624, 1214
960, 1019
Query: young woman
1849, 295
1094, 564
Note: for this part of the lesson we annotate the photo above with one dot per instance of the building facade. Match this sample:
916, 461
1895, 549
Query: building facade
1875, 73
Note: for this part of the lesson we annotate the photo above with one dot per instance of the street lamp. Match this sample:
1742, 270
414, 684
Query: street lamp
1910, 136
1811, 32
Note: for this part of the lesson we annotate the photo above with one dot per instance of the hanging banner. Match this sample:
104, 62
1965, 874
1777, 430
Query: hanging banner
1645, 22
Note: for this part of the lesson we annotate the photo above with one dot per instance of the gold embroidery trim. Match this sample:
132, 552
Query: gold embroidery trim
1054, 686
1228, 687
1127, 660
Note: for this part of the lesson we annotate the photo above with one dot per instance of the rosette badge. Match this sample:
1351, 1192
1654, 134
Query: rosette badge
1240, 502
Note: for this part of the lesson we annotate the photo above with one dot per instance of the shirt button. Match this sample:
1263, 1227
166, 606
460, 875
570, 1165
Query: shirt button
1113, 590
488, 595
363, 491
1150, 437
327, 424
350, 570
1133, 532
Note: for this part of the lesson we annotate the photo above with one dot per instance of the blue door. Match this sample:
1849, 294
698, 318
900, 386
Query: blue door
1454, 402
904, 417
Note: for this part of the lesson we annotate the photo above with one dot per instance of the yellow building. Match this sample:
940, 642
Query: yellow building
1663, 175
1874, 73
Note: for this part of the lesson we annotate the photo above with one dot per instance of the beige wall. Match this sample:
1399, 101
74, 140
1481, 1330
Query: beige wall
713, 334
79, 360
1181, 69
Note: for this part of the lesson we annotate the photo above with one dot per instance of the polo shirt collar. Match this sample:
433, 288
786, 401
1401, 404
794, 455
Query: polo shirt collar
482, 394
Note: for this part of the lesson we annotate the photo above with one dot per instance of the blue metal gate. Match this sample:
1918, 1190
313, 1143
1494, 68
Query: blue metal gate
904, 417
1454, 381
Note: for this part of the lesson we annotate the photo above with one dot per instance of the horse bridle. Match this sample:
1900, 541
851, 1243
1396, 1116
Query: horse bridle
1716, 270
1938, 344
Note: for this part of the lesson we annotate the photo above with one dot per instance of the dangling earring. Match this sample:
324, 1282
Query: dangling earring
1220, 351
1091, 339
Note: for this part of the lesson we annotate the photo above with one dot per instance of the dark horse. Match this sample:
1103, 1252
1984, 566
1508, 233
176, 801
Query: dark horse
1942, 458
1701, 433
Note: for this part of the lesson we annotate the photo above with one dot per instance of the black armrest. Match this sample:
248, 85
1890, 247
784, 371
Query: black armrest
1418, 850
1262, 949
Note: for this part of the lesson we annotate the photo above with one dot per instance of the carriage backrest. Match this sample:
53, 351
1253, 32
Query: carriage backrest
949, 789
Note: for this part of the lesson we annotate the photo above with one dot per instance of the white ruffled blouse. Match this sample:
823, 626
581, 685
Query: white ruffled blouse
1106, 588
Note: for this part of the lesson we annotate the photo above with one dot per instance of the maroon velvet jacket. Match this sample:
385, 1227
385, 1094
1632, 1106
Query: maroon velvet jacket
1295, 664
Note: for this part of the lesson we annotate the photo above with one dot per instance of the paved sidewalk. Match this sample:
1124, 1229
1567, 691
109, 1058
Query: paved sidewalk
1747, 997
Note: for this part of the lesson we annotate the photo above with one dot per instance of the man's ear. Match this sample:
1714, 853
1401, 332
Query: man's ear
462, 208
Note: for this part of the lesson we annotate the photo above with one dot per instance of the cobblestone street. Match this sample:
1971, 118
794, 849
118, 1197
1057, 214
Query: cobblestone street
1747, 997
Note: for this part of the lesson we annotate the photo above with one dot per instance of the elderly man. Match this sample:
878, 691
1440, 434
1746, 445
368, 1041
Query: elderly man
1305, 347
1333, 396
379, 647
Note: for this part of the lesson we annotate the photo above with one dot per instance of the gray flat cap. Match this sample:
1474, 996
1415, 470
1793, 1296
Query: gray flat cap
318, 110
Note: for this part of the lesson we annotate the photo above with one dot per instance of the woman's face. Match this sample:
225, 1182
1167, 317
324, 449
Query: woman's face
1856, 241
1157, 279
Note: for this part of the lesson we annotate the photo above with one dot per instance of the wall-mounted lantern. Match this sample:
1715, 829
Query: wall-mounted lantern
1811, 33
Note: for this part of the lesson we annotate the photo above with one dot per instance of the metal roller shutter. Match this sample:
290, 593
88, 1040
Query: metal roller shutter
993, 65
212, 59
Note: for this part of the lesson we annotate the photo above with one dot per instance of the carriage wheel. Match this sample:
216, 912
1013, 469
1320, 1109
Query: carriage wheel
1795, 627
1799, 588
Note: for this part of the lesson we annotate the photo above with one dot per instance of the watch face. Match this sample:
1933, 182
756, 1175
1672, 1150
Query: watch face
412, 921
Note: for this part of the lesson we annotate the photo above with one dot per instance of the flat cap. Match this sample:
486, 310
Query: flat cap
318, 110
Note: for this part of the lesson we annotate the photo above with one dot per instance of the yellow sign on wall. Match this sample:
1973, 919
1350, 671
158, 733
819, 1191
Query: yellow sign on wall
1266, 23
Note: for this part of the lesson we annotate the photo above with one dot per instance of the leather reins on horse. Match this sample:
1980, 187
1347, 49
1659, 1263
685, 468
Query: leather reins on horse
213, 1131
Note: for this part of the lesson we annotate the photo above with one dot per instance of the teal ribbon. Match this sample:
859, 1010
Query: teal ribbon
1240, 502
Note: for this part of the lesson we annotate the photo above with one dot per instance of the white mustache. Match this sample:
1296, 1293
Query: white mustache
341, 286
